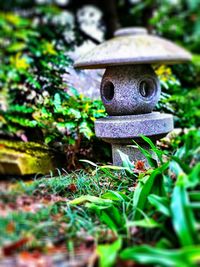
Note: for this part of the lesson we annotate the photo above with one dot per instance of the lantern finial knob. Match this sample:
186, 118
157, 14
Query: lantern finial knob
130, 31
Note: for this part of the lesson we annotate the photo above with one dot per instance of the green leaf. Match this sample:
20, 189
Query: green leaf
110, 215
21, 121
69, 125
21, 109
144, 188
194, 196
108, 253
158, 152
126, 162
182, 217
164, 243
194, 176
145, 223
183, 166
74, 113
115, 196
111, 167
185, 257
57, 103
89, 198
152, 162
17, 46
85, 130
160, 203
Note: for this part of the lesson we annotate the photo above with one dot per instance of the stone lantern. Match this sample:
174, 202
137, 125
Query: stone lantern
130, 88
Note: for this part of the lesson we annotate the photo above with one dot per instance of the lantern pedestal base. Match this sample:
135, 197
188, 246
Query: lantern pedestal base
121, 130
133, 153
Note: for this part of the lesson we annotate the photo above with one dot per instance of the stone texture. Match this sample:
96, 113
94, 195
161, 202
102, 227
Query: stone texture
136, 48
130, 31
117, 128
132, 89
20, 158
121, 130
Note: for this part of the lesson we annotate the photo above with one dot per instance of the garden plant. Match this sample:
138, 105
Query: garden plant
89, 212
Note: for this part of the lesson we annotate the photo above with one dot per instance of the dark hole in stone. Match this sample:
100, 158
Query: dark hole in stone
147, 88
108, 91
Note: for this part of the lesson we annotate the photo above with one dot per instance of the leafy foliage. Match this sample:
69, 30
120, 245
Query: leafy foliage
38, 105
175, 20
179, 93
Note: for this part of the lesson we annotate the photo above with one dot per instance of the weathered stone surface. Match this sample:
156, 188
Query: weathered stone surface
128, 90
19, 158
133, 48
130, 31
119, 128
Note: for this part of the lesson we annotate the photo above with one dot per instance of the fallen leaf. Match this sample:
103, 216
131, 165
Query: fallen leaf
8, 250
139, 165
72, 188
10, 227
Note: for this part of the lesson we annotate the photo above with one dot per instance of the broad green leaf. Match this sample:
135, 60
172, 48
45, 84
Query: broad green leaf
184, 167
145, 223
164, 243
74, 112
126, 162
85, 130
115, 196
175, 168
108, 253
185, 257
111, 167
88, 198
16, 46
195, 205
160, 203
182, 217
194, 196
110, 215
69, 125
144, 188
194, 176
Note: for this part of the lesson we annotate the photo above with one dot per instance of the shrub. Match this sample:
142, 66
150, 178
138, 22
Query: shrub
36, 103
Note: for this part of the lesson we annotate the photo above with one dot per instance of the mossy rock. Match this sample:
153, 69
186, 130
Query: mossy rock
25, 158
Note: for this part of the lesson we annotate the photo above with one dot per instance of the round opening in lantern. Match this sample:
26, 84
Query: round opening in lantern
108, 91
147, 88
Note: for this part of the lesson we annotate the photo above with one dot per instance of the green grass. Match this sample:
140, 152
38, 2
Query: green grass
151, 217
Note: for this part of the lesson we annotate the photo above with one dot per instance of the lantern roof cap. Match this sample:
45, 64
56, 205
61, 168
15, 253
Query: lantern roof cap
133, 46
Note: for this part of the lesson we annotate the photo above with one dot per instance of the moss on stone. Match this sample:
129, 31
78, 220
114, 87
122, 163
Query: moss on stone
23, 158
